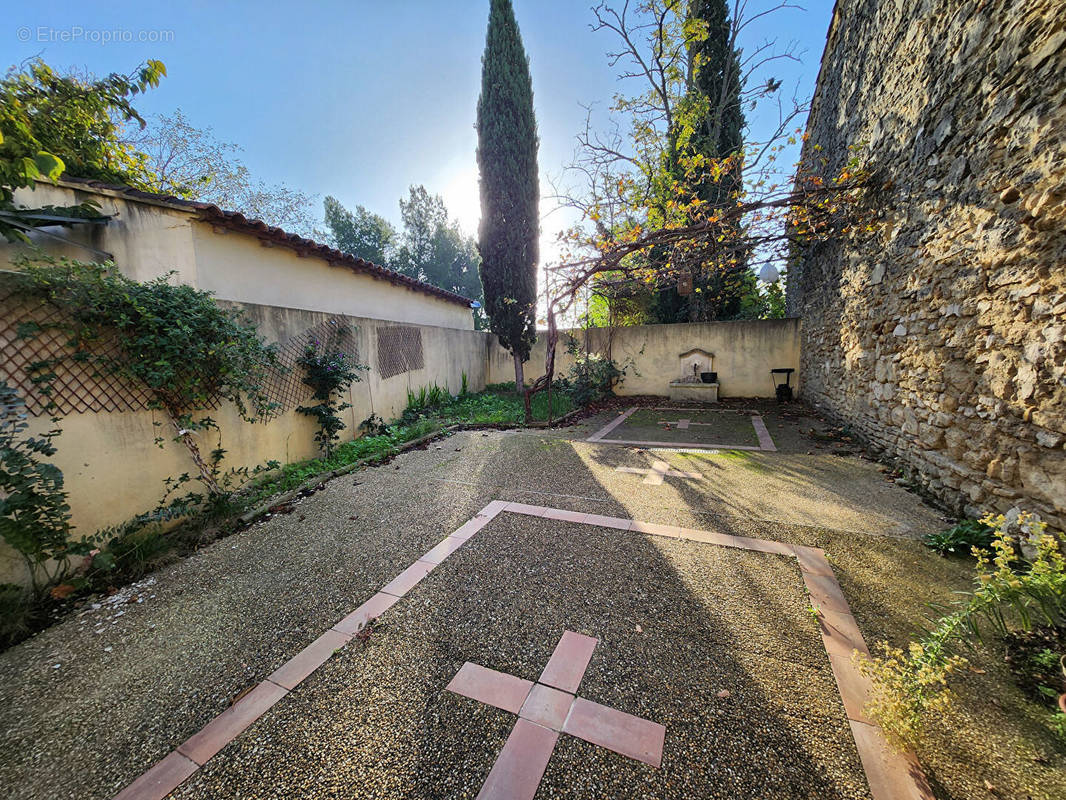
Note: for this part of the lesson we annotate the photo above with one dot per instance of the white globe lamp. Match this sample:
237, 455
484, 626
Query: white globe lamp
769, 273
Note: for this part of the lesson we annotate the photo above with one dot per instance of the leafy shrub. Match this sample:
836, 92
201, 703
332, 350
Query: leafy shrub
374, 426
592, 378
961, 538
426, 397
1023, 583
34, 514
329, 373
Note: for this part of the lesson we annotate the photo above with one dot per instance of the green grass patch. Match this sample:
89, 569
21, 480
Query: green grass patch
497, 405
366, 448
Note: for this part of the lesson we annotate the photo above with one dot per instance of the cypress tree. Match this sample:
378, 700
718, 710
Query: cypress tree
510, 191
715, 81
714, 74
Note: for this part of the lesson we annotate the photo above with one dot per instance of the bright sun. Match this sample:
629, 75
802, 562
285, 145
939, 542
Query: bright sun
462, 199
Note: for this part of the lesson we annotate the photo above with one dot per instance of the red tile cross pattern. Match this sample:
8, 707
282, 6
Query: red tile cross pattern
547, 708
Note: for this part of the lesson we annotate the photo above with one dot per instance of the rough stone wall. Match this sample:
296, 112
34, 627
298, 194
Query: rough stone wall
939, 337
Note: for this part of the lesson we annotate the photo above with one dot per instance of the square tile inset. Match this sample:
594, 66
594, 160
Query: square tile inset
521, 764
547, 706
490, 687
623, 733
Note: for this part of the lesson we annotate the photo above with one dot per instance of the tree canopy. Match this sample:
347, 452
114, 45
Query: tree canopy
431, 248
677, 152
52, 124
191, 162
361, 232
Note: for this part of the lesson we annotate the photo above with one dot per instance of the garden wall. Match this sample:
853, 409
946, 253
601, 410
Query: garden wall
114, 470
744, 353
939, 337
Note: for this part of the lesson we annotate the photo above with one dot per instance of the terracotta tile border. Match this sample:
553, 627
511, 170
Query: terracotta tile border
766, 442
610, 426
891, 775
179, 765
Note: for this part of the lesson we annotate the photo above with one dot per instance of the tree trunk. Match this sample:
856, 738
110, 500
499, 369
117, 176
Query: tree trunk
185, 437
520, 386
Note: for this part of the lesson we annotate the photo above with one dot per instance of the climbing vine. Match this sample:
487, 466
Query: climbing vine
34, 514
174, 339
329, 372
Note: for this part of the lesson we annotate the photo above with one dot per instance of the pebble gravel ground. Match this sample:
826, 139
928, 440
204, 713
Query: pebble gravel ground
376, 722
90, 703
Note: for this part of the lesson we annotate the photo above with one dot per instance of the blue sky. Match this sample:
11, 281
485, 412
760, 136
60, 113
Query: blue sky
358, 99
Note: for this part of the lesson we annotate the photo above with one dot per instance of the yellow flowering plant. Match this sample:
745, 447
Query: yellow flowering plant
1021, 583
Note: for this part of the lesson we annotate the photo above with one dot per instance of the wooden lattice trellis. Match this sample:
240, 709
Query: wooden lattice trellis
28, 336
285, 387
78, 387
399, 350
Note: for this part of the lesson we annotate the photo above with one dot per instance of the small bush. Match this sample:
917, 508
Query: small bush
592, 378
426, 397
329, 373
34, 514
962, 538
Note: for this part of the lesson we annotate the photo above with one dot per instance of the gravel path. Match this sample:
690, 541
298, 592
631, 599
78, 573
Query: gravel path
174, 650
675, 622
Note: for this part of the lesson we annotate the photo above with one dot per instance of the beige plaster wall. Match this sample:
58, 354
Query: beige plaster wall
235, 266
744, 353
144, 240
147, 239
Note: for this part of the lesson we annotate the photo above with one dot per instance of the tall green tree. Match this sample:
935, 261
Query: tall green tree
362, 233
510, 191
713, 98
712, 110
677, 151
431, 248
435, 249
52, 124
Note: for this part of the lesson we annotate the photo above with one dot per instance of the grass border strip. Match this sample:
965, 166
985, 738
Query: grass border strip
251, 516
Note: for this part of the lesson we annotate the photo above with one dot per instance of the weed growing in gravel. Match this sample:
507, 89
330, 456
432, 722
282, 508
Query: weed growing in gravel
1022, 584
